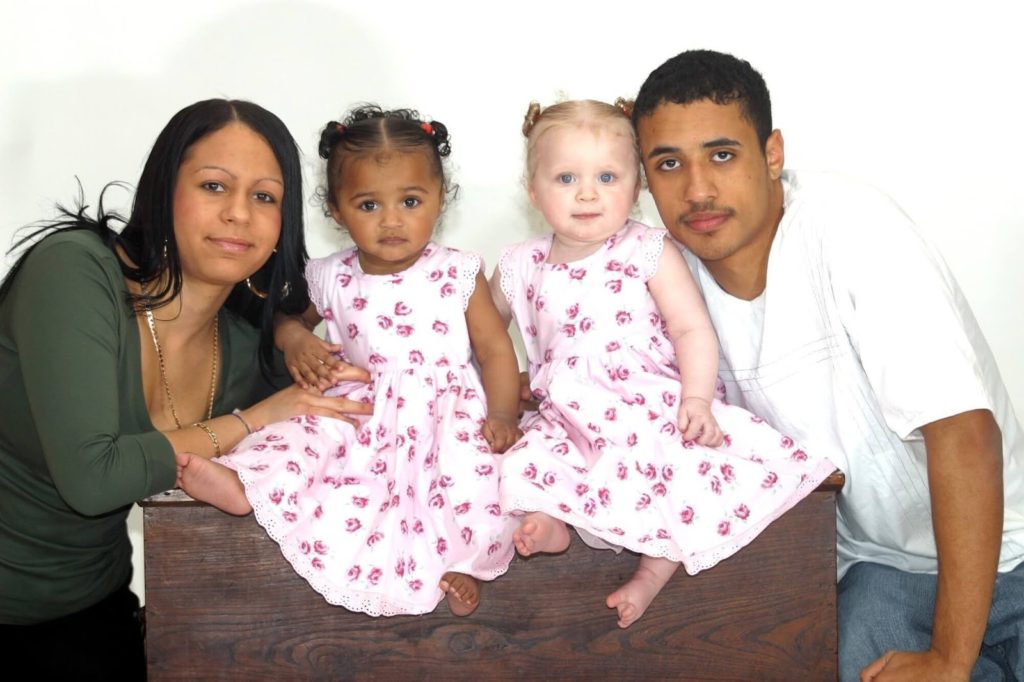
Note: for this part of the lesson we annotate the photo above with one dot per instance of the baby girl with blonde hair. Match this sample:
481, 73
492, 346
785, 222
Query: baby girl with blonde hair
629, 443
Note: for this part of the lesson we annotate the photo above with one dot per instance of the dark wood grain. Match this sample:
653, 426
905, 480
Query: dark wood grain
223, 604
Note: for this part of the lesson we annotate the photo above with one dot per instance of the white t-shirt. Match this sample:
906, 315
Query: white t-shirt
861, 337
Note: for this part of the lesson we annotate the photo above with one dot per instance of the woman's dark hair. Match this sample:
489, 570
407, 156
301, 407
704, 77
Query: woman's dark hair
147, 236
697, 75
368, 128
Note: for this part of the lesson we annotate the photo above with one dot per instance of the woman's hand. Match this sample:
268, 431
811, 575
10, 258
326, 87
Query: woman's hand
297, 400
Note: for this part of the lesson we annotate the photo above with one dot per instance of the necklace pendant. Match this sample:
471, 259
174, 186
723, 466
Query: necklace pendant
151, 323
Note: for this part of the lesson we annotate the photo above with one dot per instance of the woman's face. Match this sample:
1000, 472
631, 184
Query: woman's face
227, 206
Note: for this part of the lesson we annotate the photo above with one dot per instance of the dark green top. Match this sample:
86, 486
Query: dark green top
77, 447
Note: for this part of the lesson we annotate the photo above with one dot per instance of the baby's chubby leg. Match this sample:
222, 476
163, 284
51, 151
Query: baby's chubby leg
539, 532
212, 483
632, 599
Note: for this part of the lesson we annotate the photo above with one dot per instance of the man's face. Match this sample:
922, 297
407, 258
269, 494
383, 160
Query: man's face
716, 189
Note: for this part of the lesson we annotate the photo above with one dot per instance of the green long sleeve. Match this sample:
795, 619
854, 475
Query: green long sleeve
77, 447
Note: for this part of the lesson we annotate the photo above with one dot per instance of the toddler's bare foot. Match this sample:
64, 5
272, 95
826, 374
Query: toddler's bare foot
212, 483
632, 599
463, 593
540, 533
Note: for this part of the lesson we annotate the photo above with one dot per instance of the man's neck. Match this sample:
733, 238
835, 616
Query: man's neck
745, 280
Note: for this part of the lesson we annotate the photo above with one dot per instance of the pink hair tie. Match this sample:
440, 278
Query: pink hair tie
340, 128
427, 128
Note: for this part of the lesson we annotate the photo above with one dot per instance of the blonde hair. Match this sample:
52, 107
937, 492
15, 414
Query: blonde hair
589, 114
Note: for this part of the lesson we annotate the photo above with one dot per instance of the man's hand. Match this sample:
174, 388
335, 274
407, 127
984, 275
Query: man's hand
897, 666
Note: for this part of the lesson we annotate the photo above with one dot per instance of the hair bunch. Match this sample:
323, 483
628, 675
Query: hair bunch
404, 127
579, 109
368, 128
590, 114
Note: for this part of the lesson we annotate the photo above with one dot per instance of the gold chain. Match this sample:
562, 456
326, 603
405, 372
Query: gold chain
163, 368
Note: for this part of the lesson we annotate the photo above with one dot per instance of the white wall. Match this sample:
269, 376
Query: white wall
925, 103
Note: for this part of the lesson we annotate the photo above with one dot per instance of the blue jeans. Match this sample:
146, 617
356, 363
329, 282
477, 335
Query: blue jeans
883, 608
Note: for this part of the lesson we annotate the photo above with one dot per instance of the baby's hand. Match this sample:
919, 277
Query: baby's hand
698, 424
312, 361
501, 432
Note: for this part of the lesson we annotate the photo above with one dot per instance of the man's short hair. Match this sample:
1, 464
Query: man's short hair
697, 75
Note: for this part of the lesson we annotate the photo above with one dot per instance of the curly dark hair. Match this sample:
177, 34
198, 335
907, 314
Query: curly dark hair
368, 128
697, 75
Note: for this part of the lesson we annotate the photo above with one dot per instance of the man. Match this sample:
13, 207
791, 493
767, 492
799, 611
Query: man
840, 325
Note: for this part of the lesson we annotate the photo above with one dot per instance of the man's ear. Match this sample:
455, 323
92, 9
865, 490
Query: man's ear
775, 154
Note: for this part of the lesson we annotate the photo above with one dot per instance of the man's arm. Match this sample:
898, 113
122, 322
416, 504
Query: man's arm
965, 477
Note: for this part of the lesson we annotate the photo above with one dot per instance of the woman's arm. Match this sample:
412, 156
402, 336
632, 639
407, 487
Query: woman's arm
228, 430
67, 319
499, 368
69, 332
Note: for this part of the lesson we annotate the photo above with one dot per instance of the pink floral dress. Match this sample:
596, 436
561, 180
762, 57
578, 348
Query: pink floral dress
373, 516
604, 452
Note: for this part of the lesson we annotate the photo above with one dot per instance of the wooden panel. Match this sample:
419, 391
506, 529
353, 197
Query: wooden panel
222, 603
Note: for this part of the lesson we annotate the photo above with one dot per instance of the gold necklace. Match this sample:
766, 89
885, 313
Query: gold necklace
163, 369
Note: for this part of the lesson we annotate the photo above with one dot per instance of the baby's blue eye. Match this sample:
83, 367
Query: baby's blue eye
565, 178
606, 177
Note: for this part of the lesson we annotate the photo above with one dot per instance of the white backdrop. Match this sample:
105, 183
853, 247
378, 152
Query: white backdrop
924, 103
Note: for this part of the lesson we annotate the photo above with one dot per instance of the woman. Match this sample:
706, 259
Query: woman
119, 351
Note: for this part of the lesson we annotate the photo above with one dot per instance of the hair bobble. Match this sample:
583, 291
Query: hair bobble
530, 120
329, 137
626, 105
427, 128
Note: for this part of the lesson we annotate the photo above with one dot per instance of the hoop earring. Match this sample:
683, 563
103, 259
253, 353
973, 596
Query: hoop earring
255, 292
